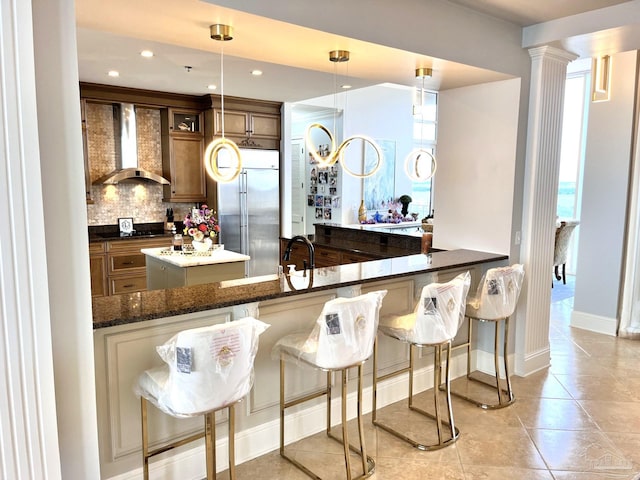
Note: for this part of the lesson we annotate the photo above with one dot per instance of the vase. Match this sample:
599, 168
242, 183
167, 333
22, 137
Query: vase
405, 209
362, 213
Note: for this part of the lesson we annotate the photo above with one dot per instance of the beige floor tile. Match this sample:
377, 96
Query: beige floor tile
539, 385
482, 472
589, 387
499, 447
416, 469
614, 416
595, 476
585, 451
328, 465
553, 413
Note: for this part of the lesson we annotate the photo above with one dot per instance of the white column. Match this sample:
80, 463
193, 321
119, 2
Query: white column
546, 101
28, 431
65, 221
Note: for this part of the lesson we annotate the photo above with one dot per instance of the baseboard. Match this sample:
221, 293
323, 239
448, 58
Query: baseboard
594, 323
257, 441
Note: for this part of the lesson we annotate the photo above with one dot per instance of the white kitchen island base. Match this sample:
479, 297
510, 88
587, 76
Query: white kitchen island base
180, 270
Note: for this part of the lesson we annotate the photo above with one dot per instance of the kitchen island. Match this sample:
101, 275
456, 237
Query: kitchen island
127, 328
170, 269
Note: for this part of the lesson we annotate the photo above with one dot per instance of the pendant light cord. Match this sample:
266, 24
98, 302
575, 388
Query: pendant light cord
222, 84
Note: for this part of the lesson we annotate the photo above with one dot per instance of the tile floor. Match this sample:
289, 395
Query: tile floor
578, 420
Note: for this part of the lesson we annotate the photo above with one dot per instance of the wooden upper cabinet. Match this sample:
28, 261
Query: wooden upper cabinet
250, 123
182, 156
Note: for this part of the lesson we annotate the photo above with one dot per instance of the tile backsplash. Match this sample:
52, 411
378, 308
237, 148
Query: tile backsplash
140, 200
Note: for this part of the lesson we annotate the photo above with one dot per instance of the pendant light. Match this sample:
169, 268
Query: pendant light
420, 165
336, 154
222, 146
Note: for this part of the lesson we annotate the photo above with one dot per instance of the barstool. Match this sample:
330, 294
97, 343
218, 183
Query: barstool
435, 322
207, 369
495, 302
342, 338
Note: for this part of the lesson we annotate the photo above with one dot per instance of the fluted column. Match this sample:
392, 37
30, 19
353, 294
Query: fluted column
546, 101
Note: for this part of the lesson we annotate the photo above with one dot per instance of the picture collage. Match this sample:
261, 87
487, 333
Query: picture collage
323, 190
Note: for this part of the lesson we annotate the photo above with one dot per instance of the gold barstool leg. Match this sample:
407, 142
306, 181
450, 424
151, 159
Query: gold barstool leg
232, 443
363, 448
502, 393
210, 447
442, 441
345, 430
145, 439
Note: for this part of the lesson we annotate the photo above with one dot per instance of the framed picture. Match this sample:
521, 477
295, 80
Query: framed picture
125, 225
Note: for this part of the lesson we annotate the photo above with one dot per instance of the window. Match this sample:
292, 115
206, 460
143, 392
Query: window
425, 123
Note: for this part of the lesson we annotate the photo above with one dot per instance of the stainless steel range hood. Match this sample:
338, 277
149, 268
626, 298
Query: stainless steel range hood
127, 156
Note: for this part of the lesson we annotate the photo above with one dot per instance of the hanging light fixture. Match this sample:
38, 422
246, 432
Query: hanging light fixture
335, 154
222, 148
420, 165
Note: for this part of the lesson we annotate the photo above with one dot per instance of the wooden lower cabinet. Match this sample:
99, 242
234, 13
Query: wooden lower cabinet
324, 256
98, 268
119, 267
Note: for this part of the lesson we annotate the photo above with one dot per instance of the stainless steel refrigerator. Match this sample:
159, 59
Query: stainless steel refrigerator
249, 211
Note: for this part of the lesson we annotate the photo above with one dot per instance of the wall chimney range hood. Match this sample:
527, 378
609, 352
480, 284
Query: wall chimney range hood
127, 155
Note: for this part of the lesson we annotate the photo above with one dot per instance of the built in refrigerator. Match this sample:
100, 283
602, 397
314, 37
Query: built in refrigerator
249, 211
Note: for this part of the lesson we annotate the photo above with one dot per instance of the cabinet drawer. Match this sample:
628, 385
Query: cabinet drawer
119, 285
126, 263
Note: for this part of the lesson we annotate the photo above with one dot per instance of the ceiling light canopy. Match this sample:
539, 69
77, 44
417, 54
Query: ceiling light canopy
221, 32
222, 152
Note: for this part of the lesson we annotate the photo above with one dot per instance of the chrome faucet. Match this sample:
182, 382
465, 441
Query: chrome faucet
300, 238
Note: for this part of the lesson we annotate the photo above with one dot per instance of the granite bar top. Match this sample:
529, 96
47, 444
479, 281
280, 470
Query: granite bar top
140, 306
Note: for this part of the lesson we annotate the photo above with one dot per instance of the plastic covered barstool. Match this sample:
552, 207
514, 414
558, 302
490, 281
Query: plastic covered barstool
342, 337
434, 323
206, 369
495, 302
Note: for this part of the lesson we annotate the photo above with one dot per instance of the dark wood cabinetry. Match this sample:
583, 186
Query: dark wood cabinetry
182, 154
250, 123
119, 266
98, 268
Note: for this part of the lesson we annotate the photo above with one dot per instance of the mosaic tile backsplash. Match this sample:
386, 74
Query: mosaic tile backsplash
140, 200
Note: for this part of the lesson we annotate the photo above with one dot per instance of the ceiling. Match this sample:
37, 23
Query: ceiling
111, 35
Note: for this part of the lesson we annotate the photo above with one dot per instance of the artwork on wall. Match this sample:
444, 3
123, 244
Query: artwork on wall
379, 188
323, 195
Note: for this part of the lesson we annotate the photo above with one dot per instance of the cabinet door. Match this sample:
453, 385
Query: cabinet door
187, 174
264, 125
97, 266
236, 123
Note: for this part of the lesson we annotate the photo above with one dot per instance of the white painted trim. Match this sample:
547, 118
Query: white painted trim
594, 323
254, 442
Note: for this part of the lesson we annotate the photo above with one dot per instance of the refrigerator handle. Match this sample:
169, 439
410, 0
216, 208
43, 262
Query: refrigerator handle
244, 214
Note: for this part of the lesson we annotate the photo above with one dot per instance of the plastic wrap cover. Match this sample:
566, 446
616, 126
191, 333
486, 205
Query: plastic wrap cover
497, 294
343, 334
437, 316
206, 368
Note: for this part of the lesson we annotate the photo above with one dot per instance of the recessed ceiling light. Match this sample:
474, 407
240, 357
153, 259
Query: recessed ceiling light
345, 87
256, 73
211, 87
146, 53
113, 73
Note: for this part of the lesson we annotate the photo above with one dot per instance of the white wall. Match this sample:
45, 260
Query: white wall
604, 201
474, 183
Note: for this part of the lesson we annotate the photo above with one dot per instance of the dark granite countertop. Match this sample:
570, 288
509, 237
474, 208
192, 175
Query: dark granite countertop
104, 233
136, 307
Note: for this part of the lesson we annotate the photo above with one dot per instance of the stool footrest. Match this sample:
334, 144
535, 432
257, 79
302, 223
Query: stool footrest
487, 406
176, 444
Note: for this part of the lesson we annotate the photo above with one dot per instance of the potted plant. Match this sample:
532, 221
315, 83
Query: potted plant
405, 200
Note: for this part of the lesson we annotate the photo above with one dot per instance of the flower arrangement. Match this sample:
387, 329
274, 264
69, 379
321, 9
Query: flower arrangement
200, 223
